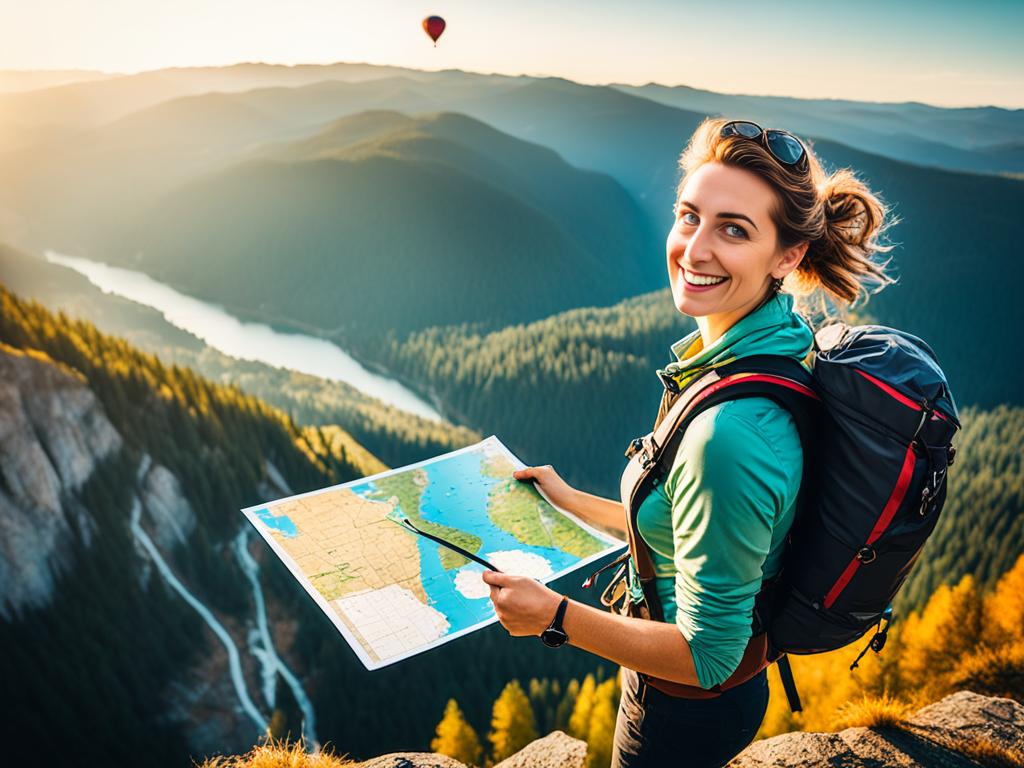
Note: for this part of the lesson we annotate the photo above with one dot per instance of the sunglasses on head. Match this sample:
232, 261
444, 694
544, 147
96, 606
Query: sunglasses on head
783, 145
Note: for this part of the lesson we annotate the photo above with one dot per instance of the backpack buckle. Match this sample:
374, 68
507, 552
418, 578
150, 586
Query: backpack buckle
649, 451
646, 447
634, 445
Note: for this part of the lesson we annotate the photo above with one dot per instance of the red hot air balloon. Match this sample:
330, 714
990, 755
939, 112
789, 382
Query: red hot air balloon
433, 26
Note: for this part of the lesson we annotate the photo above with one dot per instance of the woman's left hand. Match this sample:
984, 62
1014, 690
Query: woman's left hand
524, 605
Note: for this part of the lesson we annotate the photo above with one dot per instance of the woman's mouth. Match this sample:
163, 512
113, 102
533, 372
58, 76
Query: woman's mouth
696, 282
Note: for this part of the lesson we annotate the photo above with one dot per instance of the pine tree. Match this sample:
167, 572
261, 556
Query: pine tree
455, 737
946, 630
566, 705
579, 723
512, 722
602, 725
1004, 608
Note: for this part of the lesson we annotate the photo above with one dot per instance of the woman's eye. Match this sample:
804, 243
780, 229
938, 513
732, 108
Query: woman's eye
684, 214
739, 231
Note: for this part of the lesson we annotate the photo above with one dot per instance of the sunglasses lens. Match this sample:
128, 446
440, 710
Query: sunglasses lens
742, 128
785, 147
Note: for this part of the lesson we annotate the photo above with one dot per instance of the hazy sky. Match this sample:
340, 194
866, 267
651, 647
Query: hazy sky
939, 52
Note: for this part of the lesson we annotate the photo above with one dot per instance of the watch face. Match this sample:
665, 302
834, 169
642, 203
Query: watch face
553, 637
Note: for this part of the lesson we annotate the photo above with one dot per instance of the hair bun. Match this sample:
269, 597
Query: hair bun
848, 214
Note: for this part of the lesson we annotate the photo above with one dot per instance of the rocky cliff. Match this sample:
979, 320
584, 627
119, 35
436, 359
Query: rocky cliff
52, 434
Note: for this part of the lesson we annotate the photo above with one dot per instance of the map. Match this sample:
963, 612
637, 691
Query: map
392, 591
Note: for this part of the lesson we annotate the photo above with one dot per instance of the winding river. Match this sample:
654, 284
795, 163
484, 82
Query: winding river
245, 340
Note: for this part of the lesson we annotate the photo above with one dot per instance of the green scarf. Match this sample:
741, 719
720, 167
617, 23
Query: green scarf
774, 328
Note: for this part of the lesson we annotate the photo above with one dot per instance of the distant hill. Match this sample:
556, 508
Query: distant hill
385, 229
952, 138
21, 80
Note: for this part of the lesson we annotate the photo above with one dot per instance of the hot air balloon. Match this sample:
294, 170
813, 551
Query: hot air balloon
433, 26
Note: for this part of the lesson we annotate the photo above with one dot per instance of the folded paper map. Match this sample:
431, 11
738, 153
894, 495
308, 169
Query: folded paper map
358, 548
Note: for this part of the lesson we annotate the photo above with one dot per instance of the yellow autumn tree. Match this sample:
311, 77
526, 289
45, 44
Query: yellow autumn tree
512, 722
455, 737
933, 642
563, 712
996, 666
1004, 607
579, 721
601, 728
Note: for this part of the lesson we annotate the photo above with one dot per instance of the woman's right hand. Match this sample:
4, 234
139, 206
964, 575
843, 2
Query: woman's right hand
558, 492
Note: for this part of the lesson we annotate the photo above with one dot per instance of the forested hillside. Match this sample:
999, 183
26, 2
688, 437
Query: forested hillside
115, 642
571, 390
115, 633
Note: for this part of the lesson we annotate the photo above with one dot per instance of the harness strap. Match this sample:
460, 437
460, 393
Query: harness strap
781, 379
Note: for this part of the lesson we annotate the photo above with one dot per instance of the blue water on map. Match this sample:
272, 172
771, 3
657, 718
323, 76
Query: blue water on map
456, 495
281, 523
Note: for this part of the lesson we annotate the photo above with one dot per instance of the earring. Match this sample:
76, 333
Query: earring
777, 285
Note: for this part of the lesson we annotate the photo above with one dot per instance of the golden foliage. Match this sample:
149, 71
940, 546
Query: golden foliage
1004, 609
512, 722
601, 729
579, 721
455, 737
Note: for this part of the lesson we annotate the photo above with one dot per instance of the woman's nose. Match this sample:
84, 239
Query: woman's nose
698, 246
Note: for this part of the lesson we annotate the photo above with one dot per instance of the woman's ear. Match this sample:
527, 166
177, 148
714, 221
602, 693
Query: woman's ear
790, 259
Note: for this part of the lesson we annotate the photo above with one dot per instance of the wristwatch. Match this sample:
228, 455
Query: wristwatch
554, 635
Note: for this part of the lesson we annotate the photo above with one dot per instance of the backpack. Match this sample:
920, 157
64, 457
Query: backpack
876, 420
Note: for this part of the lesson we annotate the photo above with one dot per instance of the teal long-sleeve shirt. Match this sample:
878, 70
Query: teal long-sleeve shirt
716, 526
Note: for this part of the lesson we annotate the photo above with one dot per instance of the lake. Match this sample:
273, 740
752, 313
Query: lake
246, 340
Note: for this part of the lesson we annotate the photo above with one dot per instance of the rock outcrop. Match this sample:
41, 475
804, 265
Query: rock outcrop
53, 432
168, 515
954, 732
556, 750
963, 730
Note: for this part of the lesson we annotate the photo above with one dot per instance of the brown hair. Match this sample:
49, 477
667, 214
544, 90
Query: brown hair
836, 213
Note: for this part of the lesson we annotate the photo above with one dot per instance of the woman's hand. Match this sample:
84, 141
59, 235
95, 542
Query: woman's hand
559, 492
524, 605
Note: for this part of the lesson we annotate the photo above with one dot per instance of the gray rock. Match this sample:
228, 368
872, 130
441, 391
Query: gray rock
556, 750
971, 716
411, 760
169, 516
937, 735
53, 431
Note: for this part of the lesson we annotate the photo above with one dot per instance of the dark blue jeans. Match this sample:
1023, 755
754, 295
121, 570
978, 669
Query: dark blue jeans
655, 729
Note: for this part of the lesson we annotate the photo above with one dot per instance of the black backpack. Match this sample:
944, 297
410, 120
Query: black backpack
876, 420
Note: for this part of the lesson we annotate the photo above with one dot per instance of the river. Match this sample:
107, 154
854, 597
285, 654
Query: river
245, 340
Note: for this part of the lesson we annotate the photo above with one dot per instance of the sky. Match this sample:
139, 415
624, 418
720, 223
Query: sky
940, 52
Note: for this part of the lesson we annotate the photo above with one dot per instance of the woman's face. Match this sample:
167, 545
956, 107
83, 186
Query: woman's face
722, 249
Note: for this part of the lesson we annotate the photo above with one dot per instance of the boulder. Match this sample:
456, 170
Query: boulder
556, 750
947, 734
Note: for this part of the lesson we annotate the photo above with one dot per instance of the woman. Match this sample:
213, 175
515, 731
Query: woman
754, 211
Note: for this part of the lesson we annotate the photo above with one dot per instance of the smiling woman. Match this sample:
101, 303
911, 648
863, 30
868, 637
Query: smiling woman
757, 221
746, 223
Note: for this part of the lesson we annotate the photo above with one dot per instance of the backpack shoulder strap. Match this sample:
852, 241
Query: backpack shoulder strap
781, 379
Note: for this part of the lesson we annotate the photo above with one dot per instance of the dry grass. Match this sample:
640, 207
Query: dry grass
869, 711
281, 753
